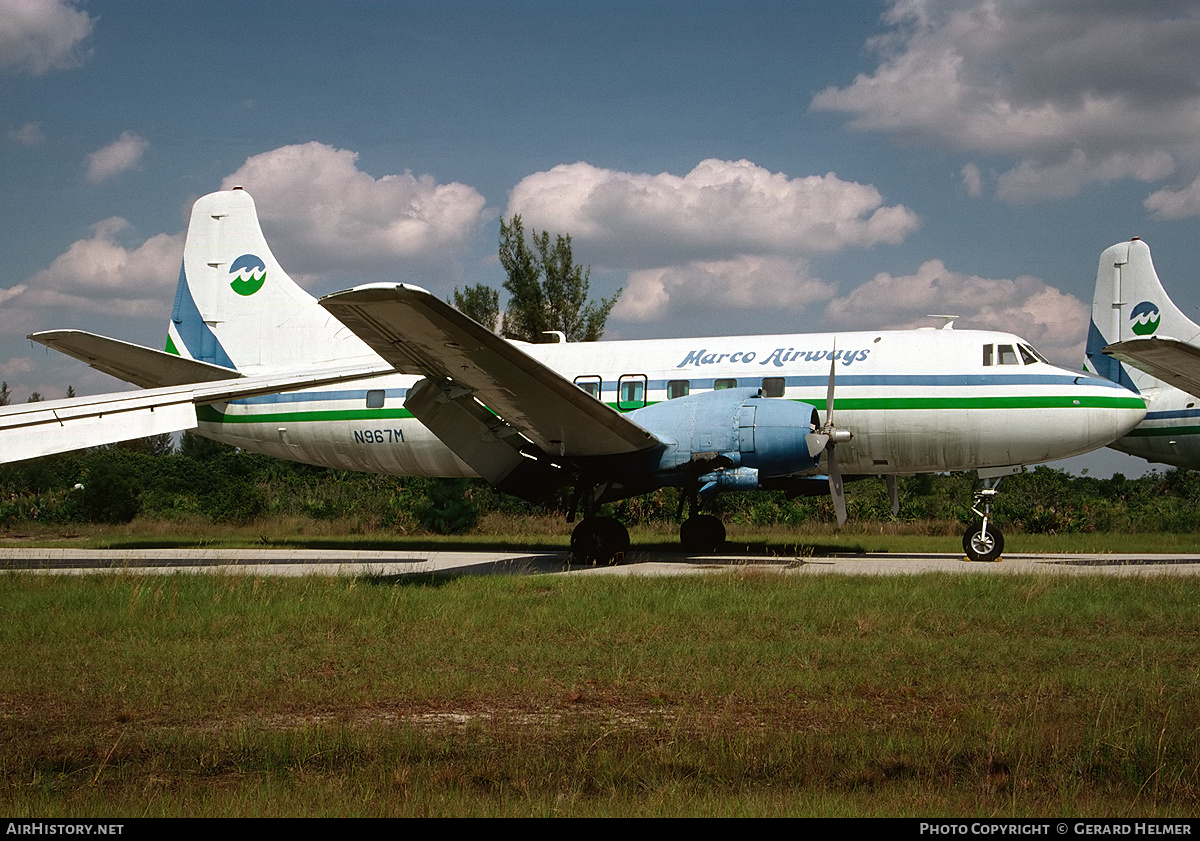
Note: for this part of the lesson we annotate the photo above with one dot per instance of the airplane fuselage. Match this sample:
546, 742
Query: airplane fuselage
1170, 434
915, 401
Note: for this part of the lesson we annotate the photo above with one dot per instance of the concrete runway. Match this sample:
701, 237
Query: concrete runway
417, 565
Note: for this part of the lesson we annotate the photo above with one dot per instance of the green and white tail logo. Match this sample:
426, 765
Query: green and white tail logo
1146, 318
250, 274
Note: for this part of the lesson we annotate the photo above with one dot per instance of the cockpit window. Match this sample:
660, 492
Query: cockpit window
1036, 355
1007, 355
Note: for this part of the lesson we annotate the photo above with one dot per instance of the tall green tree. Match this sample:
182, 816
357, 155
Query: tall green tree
480, 302
547, 290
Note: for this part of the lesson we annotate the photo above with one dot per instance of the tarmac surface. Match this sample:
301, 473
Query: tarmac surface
449, 564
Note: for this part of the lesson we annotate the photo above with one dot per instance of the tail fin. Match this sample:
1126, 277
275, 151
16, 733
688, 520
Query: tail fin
1130, 303
235, 306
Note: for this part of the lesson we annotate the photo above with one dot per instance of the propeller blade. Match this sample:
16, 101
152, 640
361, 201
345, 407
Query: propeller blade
835, 486
829, 391
893, 494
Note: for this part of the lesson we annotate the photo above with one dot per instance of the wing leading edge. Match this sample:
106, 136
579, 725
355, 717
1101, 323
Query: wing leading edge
420, 334
519, 424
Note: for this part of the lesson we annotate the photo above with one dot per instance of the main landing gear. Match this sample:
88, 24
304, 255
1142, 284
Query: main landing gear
701, 534
599, 540
603, 540
983, 541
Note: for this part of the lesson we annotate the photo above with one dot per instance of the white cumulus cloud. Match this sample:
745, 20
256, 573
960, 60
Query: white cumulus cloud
324, 213
748, 282
1055, 322
726, 234
1073, 92
719, 210
122, 155
41, 35
1175, 204
99, 275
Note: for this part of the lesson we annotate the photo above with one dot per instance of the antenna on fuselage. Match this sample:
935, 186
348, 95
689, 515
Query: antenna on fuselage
949, 325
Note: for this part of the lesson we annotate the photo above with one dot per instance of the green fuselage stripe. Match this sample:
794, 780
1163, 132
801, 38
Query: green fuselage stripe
1163, 431
210, 414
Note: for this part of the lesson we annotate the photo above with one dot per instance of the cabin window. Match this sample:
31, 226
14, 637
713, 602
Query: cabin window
589, 384
721, 385
678, 388
375, 398
631, 392
772, 386
1007, 355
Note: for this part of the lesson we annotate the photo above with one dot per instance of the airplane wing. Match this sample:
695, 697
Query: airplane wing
420, 334
38, 429
135, 364
1170, 360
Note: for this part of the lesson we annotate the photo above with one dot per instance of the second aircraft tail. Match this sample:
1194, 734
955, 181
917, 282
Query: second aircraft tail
1130, 303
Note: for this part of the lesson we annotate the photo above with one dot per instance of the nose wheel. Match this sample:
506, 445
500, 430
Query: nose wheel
983, 541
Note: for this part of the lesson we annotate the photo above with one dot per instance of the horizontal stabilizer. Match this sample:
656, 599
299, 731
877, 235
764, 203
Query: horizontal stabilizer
1170, 360
132, 363
420, 334
56, 426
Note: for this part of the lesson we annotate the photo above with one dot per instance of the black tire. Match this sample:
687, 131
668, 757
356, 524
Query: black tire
599, 540
702, 534
981, 548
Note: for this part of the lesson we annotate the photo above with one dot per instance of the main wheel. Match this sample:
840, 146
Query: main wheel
702, 534
599, 540
980, 546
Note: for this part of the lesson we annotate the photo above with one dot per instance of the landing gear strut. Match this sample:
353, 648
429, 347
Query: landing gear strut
983, 541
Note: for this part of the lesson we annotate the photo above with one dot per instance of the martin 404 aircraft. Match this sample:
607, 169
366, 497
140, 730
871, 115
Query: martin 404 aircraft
1135, 322
388, 378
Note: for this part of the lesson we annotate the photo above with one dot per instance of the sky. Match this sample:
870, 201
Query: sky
732, 166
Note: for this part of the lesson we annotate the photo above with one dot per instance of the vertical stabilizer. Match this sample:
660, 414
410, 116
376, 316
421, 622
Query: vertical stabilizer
235, 305
1130, 303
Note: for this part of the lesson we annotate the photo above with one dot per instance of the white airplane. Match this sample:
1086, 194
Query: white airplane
1135, 322
608, 419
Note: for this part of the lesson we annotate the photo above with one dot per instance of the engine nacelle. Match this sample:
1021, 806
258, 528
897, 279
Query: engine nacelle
732, 429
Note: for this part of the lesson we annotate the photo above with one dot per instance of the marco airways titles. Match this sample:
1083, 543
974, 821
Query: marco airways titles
778, 357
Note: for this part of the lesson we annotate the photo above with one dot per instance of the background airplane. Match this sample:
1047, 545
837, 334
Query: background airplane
1135, 322
608, 419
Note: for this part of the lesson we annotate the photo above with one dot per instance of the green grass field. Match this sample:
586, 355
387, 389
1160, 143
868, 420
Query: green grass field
743, 693
552, 533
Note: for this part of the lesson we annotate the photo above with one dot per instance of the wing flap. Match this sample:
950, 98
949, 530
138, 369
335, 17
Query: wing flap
420, 334
1170, 360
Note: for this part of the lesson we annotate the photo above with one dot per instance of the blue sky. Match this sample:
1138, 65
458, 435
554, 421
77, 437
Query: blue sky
735, 167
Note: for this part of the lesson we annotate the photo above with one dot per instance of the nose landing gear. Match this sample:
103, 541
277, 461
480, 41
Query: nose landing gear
983, 541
